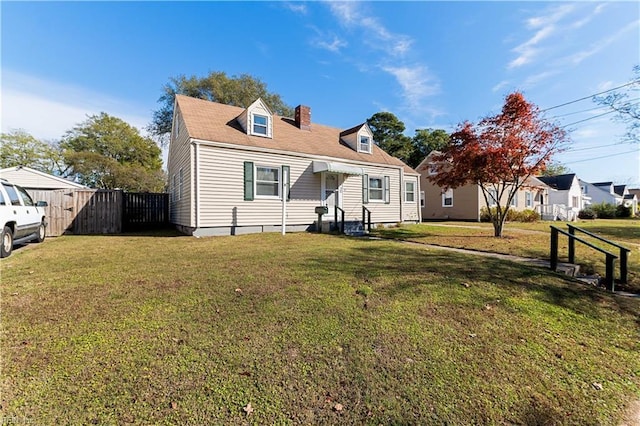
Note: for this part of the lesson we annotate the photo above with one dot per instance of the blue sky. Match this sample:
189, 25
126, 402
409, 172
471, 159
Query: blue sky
433, 64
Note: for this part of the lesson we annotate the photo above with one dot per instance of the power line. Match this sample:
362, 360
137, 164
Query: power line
590, 118
595, 147
591, 96
603, 156
576, 112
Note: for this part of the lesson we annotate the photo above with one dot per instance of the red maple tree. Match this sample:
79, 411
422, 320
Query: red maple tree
499, 154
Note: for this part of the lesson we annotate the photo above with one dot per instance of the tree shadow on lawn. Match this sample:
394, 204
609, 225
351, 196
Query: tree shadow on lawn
375, 259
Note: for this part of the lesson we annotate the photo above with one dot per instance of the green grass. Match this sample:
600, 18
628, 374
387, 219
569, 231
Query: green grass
178, 330
533, 240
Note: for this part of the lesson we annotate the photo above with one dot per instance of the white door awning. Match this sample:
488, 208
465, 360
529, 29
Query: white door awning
328, 166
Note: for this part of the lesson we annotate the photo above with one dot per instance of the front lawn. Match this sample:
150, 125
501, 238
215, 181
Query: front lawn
532, 240
304, 329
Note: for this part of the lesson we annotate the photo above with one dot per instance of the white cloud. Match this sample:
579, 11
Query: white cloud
376, 35
601, 44
417, 83
296, 7
330, 42
501, 85
545, 26
47, 109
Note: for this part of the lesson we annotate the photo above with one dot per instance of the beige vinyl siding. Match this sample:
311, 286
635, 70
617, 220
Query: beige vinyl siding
466, 202
180, 157
380, 211
37, 180
221, 173
222, 204
411, 209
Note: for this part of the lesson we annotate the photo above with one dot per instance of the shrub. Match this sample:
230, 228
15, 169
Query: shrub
587, 213
512, 215
528, 215
604, 210
623, 211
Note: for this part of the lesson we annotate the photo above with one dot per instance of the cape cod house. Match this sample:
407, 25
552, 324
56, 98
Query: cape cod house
234, 170
467, 202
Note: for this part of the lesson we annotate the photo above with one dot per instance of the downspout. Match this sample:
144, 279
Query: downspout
196, 178
402, 186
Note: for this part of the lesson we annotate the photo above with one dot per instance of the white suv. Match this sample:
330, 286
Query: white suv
21, 219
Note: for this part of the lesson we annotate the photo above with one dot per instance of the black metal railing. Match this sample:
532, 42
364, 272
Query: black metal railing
339, 222
366, 218
609, 262
624, 252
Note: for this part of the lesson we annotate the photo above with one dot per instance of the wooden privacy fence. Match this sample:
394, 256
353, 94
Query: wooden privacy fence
96, 211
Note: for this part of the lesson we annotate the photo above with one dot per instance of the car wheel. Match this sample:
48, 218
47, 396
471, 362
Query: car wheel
7, 242
42, 232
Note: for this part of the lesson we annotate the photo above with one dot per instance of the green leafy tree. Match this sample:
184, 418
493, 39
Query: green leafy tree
216, 87
388, 134
425, 141
19, 148
106, 152
624, 102
554, 169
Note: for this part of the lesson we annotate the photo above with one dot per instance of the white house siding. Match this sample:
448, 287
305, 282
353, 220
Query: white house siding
411, 210
181, 211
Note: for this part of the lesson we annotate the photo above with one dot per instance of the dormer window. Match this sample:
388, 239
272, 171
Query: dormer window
365, 144
260, 124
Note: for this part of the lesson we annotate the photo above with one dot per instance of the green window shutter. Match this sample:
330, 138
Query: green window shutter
365, 189
387, 192
248, 181
287, 169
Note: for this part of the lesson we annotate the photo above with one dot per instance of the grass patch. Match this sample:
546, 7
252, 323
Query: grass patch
532, 240
159, 330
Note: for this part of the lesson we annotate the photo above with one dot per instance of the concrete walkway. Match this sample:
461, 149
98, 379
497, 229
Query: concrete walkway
568, 269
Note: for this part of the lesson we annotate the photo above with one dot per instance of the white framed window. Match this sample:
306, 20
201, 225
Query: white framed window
423, 200
180, 184
260, 125
447, 198
575, 202
493, 197
267, 182
365, 144
528, 199
514, 200
410, 192
433, 169
376, 188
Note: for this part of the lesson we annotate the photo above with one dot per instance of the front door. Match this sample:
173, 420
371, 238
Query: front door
331, 193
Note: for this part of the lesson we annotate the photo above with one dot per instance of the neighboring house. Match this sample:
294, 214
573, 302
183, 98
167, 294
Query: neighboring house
59, 193
31, 179
614, 194
566, 200
633, 198
229, 168
599, 193
466, 202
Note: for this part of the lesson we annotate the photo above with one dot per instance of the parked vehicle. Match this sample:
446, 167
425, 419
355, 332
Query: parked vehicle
22, 220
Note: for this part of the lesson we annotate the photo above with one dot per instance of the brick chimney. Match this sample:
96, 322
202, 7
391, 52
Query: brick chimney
303, 117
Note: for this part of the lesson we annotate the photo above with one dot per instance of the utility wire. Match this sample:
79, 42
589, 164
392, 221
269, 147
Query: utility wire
576, 112
591, 96
587, 119
603, 156
595, 147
